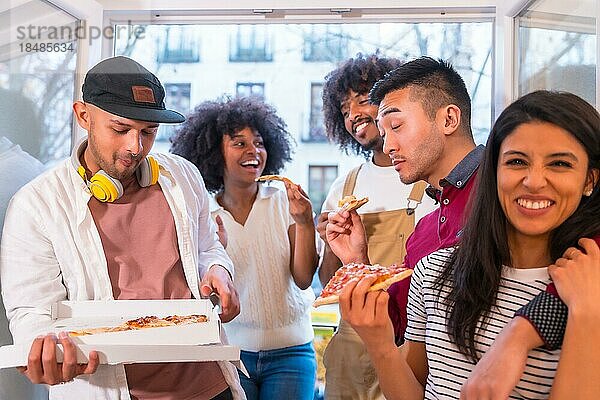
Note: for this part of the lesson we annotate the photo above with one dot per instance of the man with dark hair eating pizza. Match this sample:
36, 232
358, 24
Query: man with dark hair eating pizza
115, 223
389, 215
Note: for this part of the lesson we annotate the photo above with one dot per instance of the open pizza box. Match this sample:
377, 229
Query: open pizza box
181, 343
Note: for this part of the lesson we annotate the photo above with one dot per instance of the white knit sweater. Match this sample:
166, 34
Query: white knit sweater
275, 313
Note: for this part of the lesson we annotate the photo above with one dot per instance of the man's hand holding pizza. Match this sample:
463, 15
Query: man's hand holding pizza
42, 366
367, 312
346, 236
218, 280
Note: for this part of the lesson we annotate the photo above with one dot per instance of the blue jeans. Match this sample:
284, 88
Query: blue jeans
286, 374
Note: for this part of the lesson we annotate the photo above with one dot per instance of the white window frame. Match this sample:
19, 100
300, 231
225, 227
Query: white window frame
539, 21
387, 11
502, 12
89, 52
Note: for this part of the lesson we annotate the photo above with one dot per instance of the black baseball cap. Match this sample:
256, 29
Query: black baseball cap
121, 86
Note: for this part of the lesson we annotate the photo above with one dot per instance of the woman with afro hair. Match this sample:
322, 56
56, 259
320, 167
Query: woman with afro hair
268, 233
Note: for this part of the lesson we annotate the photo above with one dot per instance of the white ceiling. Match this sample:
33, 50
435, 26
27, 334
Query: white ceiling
567, 7
291, 4
580, 8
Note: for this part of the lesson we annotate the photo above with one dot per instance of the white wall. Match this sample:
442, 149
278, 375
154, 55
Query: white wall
89, 52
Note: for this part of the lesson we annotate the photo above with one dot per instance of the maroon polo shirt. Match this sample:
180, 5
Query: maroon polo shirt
437, 230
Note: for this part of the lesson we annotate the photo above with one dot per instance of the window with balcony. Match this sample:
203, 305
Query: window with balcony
325, 43
180, 44
177, 97
316, 124
293, 85
250, 89
250, 43
320, 178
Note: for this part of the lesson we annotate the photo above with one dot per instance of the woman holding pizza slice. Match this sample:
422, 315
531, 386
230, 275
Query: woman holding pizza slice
534, 212
270, 237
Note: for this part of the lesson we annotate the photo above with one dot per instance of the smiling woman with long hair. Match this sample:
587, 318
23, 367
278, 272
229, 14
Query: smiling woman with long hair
270, 237
536, 202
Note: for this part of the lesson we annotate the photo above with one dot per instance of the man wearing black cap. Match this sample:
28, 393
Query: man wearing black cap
115, 223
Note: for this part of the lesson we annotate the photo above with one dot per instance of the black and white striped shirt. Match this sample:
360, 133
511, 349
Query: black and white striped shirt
448, 368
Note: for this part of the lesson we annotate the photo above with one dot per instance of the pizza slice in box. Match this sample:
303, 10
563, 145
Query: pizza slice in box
144, 323
385, 277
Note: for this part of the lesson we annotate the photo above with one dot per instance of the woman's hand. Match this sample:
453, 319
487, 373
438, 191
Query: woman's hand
501, 367
300, 206
576, 276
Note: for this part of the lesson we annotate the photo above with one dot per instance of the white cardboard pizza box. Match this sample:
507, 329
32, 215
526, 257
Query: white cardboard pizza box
16, 355
184, 343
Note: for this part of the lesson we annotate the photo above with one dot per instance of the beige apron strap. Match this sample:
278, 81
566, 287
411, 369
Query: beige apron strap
351, 181
387, 232
415, 197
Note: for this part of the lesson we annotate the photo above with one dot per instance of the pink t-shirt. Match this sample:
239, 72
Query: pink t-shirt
140, 244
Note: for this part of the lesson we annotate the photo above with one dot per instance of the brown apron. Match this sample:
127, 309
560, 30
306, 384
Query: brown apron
349, 373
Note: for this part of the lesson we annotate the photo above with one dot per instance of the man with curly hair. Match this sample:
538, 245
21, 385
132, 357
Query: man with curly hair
270, 238
389, 216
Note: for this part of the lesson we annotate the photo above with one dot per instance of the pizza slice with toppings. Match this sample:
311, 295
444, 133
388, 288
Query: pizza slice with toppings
385, 277
350, 203
143, 323
281, 178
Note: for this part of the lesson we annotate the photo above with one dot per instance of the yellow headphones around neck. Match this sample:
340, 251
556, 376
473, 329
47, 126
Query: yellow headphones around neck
104, 187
